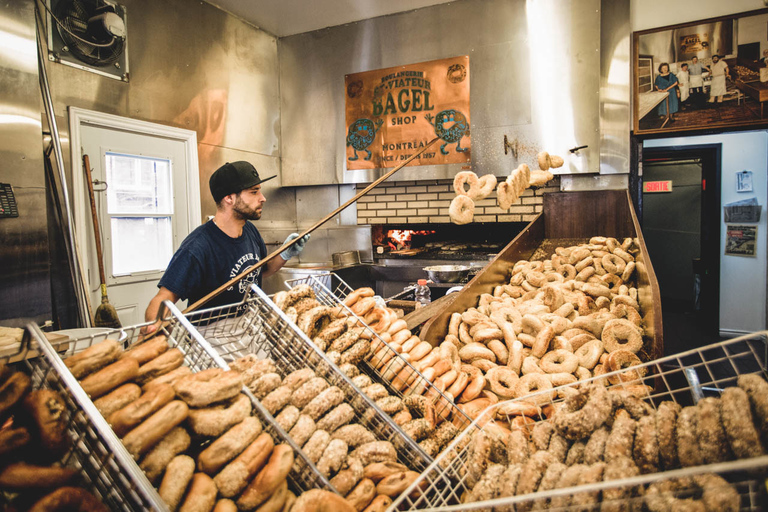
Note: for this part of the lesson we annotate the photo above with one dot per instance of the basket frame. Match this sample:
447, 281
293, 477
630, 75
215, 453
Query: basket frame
443, 483
272, 332
336, 298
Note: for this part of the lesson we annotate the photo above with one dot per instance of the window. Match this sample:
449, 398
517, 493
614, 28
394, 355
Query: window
140, 209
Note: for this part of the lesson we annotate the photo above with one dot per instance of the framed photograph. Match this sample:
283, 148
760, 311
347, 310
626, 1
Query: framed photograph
701, 75
744, 181
740, 240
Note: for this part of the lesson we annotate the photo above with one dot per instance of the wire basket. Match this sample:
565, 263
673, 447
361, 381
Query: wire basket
106, 465
267, 332
322, 284
108, 461
684, 378
304, 475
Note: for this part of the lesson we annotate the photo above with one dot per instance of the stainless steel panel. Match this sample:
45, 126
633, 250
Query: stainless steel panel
664, 45
515, 47
192, 66
615, 92
25, 288
280, 208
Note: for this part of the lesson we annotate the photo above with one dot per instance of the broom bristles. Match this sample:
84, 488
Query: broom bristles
106, 315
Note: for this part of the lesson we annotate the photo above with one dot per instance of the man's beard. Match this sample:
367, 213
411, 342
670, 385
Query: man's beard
245, 212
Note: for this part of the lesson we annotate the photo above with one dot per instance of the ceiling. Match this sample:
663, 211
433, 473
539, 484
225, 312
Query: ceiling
288, 17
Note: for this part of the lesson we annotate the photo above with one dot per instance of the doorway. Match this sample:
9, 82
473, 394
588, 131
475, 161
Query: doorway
681, 226
147, 193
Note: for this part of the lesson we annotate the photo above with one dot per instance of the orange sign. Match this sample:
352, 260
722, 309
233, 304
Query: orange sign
657, 186
392, 113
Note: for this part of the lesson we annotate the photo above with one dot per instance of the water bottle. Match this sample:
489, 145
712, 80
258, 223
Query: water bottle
422, 293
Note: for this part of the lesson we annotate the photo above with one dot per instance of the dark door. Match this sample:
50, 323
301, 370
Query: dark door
672, 228
681, 228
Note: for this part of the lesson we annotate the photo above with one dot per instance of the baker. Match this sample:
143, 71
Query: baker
223, 247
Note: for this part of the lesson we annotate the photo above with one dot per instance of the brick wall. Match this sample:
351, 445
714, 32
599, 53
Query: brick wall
417, 202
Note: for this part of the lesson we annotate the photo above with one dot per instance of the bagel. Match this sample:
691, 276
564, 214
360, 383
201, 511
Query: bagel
485, 186
534, 383
502, 381
621, 334
208, 386
462, 210
506, 195
469, 179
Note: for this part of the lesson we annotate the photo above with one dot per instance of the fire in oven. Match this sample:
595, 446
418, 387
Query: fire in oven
441, 242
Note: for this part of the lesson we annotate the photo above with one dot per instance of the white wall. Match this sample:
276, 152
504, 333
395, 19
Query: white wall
647, 14
742, 279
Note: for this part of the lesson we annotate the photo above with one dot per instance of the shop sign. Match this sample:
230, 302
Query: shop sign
657, 186
694, 43
392, 113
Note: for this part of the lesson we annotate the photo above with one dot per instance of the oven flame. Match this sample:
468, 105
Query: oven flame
402, 237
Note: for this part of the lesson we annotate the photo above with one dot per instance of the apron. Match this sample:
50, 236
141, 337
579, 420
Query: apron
718, 86
696, 81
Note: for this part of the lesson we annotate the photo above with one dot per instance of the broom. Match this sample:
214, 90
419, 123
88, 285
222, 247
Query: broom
105, 315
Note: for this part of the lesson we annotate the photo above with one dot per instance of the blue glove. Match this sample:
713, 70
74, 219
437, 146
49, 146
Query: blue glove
296, 248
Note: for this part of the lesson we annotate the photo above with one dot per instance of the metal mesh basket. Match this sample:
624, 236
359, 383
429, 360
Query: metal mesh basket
108, 468
265, 331
684, 378
322, 284
104, 457
186, 336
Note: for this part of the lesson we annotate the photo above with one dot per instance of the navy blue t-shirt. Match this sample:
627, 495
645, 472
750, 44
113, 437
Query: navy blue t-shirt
208, 258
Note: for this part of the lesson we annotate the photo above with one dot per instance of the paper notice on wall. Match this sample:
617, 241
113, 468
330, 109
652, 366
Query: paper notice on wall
740, 240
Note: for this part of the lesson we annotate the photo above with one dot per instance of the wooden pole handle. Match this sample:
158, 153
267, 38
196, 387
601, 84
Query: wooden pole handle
96, 234
319, 223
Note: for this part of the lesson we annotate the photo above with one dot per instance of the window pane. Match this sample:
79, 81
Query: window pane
141, 244
138, 185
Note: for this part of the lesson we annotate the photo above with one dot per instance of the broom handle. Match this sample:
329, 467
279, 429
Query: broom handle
96, 234
319, 223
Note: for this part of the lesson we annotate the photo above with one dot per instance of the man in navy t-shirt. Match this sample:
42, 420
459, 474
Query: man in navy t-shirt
223, 247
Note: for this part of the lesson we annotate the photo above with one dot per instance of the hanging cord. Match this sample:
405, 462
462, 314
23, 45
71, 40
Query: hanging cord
59, 23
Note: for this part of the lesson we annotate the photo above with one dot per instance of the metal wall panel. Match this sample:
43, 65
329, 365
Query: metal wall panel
615, 91
533, 78
192, 66
25, 289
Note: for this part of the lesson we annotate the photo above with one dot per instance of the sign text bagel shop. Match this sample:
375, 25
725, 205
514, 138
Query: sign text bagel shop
392, 113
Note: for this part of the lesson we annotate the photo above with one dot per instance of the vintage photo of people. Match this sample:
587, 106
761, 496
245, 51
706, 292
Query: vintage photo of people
702, 75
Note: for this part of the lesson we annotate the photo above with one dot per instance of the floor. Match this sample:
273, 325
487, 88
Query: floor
702, 113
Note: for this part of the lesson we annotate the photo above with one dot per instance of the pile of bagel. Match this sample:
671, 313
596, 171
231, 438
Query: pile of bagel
408, 397
319, 418
192, 433
34, 438
556, 321
602, 434
469, 188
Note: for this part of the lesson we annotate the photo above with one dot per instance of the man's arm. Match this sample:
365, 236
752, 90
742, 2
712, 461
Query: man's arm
150, 315
272, 266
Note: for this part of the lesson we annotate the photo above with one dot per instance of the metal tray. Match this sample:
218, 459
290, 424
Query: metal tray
109, 461
684, 378
322, 284
105, 464
262, 329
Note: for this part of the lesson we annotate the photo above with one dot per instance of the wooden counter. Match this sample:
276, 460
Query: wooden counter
567, 215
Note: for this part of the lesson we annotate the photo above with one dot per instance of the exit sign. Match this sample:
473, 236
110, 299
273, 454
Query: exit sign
657, 186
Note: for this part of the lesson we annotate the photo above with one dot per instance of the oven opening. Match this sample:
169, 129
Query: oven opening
399, 239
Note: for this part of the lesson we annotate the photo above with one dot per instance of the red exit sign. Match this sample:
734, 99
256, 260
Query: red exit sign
657, 186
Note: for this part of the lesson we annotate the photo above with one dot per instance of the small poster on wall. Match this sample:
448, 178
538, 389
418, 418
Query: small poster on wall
392, 113
741, 240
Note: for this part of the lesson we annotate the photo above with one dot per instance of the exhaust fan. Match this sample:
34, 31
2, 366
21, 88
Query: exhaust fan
89, 35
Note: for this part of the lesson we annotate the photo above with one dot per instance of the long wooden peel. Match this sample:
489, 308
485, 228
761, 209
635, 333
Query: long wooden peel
319, 223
